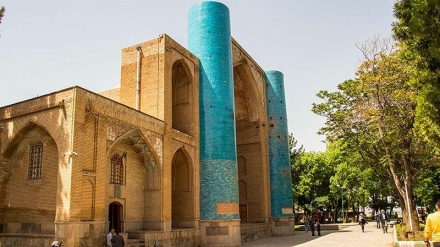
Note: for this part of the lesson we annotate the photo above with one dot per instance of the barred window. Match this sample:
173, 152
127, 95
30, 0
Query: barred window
35, 160
117, 169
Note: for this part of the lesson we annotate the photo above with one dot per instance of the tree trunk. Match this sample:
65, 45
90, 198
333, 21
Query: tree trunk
403, 202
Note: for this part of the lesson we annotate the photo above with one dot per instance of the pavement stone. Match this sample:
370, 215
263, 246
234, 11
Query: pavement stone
348, 237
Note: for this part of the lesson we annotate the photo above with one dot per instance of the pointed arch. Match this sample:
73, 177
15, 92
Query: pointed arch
23, 133
182, 207
182, 98
145, 153
250, 113
182, 170
250, 99
32, 160
139, 164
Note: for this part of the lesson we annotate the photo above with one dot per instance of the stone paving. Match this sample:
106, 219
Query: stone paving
348, 237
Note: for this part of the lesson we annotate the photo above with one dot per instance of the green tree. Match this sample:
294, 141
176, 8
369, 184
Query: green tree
418, 27
295, 152
352, 178
2, 13
374, 115
427, 187
311, 177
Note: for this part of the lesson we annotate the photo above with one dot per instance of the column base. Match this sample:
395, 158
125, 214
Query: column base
220, 233
282, 226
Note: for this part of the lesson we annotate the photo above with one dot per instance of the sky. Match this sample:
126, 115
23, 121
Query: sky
49, 45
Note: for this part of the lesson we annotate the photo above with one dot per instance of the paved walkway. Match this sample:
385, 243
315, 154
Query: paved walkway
348, 237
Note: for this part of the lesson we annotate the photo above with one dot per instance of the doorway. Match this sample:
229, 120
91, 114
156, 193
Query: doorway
115, 216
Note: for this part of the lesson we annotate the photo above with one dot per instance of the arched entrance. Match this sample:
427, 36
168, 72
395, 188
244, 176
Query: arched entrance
182, 99
250, 134
134, 183
182, 194
115, 216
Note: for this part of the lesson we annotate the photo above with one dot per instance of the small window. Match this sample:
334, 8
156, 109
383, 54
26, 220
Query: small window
117, 169
35, 160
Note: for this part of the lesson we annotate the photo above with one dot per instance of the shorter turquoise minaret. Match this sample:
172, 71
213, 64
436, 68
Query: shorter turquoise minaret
279, 159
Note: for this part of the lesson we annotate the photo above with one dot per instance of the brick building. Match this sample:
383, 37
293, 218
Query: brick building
190, 150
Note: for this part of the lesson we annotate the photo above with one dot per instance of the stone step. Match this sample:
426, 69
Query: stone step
136, 235
134, 242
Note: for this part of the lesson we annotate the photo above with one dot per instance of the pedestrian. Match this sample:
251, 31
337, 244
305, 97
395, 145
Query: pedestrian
423, 215
306, 224
118, 240
316, 217
109, 237
318, 228
312, 226
383, 218
432, 227
388, 220
378, 221
362, 220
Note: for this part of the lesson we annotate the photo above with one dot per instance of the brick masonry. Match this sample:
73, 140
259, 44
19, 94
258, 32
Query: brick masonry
178, 189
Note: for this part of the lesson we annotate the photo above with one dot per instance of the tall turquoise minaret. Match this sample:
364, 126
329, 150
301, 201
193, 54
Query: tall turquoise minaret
209, 38
279, 161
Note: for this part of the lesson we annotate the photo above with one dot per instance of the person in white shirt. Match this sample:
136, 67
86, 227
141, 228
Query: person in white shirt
109, 237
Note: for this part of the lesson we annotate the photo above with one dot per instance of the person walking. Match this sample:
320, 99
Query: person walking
432, 227
318, 227
109, 237
312, 226
383, 218
388, 221
362, 220
378, 221
118, 240
306, 224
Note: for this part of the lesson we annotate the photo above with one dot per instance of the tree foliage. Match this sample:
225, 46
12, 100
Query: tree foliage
320, 179
374, 116
311, 178
2, 13
418, 27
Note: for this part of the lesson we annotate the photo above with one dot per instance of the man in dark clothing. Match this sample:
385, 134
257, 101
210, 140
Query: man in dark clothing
312, 226
118, 240
318, 228
378, 221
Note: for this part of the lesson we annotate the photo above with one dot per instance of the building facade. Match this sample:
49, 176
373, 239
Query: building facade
190, 150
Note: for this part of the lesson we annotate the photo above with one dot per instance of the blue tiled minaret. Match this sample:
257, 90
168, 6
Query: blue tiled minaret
209, 38
279, 161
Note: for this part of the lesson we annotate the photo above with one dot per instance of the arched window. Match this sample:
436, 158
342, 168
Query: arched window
35, 160
117, 169
182, 111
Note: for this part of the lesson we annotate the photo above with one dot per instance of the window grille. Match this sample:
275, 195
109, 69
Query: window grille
35, 160
117, 169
